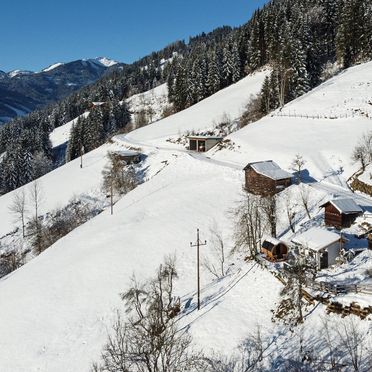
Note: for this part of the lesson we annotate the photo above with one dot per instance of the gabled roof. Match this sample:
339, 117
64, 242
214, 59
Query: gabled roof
126, 153
269, 169
205, 137
345, 205
316, 238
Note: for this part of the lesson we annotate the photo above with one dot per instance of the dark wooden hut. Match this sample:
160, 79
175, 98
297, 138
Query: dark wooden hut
274, 249
266, 178
341, 213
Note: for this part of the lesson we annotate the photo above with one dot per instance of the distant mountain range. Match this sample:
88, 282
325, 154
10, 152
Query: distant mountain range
24, 91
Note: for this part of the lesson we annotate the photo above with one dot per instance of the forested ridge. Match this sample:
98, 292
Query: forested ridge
297, 38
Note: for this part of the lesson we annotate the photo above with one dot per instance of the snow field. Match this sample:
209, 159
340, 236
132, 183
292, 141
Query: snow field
57, 309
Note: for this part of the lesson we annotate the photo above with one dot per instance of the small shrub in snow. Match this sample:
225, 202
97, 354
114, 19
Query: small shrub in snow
45, 231
252, 112
10, 261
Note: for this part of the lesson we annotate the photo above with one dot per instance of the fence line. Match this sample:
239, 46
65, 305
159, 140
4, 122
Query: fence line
294, 114
341, 288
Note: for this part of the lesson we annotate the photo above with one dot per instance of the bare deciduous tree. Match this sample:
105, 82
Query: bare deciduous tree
35, 226
363, 150
249, 356
216, 263
291, 210
118, 178
19, 209
249, 227
297, 271
297, 165
149, 339
352, 339
269, 209
305, 199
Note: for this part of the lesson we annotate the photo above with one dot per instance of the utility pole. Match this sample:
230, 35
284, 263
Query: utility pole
111, 195
197, 245
81, 155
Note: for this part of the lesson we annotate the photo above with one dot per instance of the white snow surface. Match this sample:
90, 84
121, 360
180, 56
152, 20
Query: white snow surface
204, 115
56, 310
270, 169
325, 144
316, 238
15, 73
154, 100
52, 67
61, 135
106, 61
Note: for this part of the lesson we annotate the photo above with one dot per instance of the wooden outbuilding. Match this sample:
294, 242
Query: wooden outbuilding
203, 143
274, 249
266, 178
341, 213
129, 157
321, 244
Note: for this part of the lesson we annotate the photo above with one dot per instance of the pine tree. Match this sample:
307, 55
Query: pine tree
227, 67
235, 62
213, 79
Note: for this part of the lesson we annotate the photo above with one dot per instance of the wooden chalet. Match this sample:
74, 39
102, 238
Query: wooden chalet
323, 245
274, 249
129, 157
203, 143
341, 213
266, 178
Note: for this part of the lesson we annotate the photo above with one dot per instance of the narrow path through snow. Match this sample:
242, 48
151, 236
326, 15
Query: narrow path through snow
195, 155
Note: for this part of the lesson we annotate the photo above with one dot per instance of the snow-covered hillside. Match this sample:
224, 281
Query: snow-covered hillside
229, 102
152, 103
56, 309
61, 135
326, 143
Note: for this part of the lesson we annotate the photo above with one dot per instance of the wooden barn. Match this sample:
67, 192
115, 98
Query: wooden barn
203, 143
321, 244
130, 157
266, 178
274, 249
341, 213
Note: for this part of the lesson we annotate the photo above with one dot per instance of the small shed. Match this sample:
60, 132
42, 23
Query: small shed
321, 244
130, 157
341, 212
203, 143
266, 178
274, 249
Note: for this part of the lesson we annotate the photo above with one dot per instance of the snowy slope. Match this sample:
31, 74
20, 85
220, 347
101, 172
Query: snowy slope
56, 309
67, 314
205, 114
61, 185
153, 101
326, 144
61, 134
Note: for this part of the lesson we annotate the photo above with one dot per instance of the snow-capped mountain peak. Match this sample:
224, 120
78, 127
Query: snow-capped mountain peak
106, 61
19, 72
52, 67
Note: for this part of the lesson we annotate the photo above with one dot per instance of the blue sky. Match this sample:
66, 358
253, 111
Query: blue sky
37, 33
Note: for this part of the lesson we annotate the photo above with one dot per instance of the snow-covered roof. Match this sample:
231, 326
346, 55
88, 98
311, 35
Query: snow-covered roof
269, 169
269, 242
126, 153
206, 137
316, 238
345, 205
